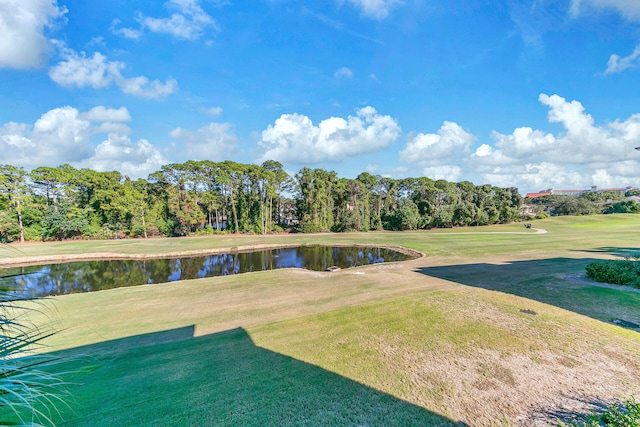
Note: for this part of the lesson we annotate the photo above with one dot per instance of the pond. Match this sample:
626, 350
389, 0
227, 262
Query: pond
88, 276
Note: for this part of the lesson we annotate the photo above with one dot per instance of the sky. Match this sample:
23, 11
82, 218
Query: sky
533, 94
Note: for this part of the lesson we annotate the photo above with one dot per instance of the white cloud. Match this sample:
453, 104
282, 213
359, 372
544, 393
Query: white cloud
58, 136
524, 143
23, 43
584, 154
215, 141
581, 142
377, 9
111, 128
64, 135
534, 177
617, 64
143, 88
446, 172
78, 70
449, 143
109, 120
372, 168
189, 22
118, 152
214, 111
128, 33
343, 72
294, 138
630, 9
104, 114
97, 41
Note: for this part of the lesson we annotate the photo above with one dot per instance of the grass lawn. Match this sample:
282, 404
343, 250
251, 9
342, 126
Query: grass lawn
495, 326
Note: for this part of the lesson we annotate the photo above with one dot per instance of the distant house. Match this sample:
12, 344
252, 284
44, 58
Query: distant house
536, 195
621, 190
576, 193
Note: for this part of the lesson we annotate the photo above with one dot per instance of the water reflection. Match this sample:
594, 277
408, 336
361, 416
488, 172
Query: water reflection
87, 276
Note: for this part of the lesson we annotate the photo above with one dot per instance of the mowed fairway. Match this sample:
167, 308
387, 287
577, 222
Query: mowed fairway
494, 326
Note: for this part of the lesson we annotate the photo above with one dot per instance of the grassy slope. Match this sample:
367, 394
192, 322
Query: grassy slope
424, 342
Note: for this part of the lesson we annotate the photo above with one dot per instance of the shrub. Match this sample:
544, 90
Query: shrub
619, 272
626, 206
309, 227
625, 415
137, 231
277, 229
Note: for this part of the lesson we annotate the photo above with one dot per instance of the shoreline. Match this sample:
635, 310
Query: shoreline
107, 256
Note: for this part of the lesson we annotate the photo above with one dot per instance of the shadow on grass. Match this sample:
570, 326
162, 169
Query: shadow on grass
556, 281
587, 408
619, 252
223, 379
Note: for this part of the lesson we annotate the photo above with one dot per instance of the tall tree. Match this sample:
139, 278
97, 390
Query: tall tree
278, 182
51, 180
210, 197
373, 199
230, 176
181, 198
315, 198
132, 206
14, 186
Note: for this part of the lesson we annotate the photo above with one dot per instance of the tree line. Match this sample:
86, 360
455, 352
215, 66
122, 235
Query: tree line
587, 203
55, 203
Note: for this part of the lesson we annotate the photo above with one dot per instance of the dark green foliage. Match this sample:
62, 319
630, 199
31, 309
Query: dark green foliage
315, 201
9, 229
589, 202
601, 196
347, 220
625, 415
619, 272
406, 217
627, 206
570, 205
65, 222
15, 190
199, 197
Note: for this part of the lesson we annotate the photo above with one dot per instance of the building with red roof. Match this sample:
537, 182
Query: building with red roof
577, 193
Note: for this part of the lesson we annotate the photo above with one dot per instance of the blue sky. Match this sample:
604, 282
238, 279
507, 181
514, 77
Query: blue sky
531, 93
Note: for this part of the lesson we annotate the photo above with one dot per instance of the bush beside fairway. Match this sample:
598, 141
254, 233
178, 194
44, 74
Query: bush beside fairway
488, 329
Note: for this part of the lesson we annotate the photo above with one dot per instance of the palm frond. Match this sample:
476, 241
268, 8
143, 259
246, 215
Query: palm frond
30, 393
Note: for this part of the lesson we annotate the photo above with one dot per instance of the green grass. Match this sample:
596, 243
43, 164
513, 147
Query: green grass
486, 329
225, 379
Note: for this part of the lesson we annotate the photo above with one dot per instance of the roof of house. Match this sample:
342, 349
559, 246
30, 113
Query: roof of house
569, 191
534, 195
614, 189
